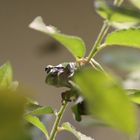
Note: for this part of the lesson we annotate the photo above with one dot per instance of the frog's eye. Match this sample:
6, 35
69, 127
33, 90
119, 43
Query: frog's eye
48, 68
60, 66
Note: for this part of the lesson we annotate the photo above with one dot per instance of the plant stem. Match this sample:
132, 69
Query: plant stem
57, 121
101, 35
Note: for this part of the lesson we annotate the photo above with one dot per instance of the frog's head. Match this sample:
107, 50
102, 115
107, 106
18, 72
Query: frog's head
60, 75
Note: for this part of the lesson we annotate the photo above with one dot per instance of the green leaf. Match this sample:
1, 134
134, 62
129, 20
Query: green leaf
5, 75
105, 98
79, 109
135, 3
117, 14
41, 111
36, 122
31, 105
134, 95
129, 37
74, 44
12, 126
126, 25
68, 127
76, 113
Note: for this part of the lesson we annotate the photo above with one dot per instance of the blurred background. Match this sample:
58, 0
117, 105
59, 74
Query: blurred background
29, 51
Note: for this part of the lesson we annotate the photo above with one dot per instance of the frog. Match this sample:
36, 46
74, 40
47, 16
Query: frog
62, 75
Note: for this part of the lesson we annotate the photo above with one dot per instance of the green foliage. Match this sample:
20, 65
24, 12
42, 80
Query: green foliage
101, 95
11, 116
41, 111
136, 3
117, 14
36, 122
6, 76
105, 98
74, 44
11, 107
34, 110
134, 95
76, 112
31, 105
128, 37
68, 127
79, 109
